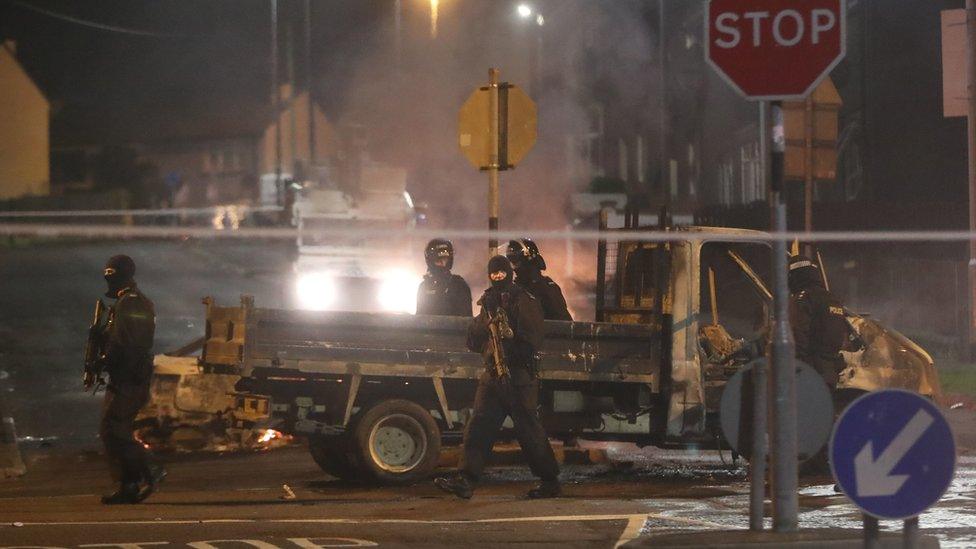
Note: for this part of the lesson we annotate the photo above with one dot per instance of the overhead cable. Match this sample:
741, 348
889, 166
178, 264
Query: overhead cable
91, 24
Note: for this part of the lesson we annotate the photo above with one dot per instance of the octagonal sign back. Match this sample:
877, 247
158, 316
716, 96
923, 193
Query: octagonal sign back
775, 49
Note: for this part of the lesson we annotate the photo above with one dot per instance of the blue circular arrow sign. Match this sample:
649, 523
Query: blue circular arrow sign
892, 454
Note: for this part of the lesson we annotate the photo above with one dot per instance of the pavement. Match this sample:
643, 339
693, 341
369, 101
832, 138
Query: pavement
235, 500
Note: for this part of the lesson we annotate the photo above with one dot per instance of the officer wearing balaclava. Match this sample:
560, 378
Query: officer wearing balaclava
515, 395
820, 327
529, 265
442, 292
128, 361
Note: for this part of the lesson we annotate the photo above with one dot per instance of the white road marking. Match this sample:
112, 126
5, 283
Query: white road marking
252, 542
544, 518
11, 498
319, 543
130, 545
634, 526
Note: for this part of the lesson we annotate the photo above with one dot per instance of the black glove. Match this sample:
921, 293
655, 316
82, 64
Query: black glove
491, 301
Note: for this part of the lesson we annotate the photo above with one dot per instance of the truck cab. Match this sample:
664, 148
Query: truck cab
710, 297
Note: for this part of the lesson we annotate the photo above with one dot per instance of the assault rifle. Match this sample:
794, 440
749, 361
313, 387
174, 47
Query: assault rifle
498, 329
94, 350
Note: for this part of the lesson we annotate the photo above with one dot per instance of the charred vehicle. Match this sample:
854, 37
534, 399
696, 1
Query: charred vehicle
378, 394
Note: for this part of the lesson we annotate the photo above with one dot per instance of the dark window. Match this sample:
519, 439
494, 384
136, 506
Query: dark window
739, 305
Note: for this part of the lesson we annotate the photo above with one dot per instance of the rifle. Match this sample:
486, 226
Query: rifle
499, 329
94, 350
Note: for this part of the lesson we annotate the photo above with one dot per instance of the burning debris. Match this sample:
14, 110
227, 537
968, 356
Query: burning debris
190, 411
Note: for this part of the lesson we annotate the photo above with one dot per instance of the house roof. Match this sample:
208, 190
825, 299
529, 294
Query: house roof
175, 119
9, 47
81, 125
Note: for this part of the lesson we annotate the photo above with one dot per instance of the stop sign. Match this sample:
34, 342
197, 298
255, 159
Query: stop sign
774, 49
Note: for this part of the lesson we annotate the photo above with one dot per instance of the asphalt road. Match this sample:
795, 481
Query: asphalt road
46, 298
239, 501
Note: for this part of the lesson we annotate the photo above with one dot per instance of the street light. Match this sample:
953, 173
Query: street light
434, 8
526, 13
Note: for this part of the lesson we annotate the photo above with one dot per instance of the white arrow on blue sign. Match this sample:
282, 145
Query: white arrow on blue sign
893, 454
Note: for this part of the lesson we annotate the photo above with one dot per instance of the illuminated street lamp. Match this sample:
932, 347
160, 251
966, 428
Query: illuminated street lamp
527, 13
434, 9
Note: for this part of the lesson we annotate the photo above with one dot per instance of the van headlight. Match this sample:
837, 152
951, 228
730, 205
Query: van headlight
398, 292
316, 291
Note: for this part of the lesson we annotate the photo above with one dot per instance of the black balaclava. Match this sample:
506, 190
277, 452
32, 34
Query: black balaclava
500, 263
804, 273
119, 273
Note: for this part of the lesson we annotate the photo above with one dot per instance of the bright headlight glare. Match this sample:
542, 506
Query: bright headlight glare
316, 291
398, 292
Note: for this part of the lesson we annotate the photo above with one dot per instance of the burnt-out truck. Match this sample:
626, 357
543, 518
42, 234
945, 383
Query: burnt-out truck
378, 395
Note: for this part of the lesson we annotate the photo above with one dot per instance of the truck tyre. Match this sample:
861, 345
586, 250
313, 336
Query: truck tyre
333, 454
397, 442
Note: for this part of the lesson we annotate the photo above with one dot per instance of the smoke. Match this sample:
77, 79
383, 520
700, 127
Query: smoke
406, 94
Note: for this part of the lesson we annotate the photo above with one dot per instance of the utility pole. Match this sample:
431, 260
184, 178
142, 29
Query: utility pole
398, 33
493, 161
292, 114
276, 101
309, 81
664, 168
971, 134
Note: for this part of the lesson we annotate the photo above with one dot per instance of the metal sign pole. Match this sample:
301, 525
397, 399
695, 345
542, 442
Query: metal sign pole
871, 534
971, 138
757, 461
808, 150
910, 534
784, 444
493, 161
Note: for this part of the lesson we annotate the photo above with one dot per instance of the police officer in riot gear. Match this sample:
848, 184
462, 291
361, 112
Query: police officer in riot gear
512, 395
126, 358
529, 264
441, 292
820, 328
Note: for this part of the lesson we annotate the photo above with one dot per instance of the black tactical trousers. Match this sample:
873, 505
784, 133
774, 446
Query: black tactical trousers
128, 460
493, 402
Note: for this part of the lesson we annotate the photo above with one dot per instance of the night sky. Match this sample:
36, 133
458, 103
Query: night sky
207, 51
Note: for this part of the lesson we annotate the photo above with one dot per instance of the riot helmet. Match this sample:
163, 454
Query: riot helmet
803, 273
524, 253
437, 251
119, 272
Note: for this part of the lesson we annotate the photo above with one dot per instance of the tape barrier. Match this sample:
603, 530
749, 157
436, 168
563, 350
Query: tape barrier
56, 230
162, 212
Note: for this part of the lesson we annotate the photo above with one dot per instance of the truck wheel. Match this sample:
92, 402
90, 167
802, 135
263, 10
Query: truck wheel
332, 454
397, 442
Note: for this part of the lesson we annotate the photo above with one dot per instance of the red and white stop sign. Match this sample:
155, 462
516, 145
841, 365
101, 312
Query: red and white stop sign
774, 49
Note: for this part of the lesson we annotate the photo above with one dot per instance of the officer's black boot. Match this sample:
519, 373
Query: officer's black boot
546, 489
127, 493
458, 485
153, 476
